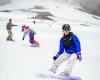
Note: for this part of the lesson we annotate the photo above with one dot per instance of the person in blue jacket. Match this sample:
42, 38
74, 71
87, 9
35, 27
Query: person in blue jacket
69, 50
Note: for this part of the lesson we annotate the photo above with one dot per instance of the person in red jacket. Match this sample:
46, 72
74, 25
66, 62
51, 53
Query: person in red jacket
26, 29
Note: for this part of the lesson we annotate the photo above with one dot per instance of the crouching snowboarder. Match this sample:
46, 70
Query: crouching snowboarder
31, 34
71, 45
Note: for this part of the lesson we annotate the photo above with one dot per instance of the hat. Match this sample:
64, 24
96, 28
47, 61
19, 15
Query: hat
26, 27
10, 19
66, 27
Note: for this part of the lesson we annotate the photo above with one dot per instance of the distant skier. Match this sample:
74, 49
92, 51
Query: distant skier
71, 45
31, 34
34, 22
9, 28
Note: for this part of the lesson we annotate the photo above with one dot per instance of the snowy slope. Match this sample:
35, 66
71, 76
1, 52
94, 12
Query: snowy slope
20, 4
4, 2
90, 6
19, 61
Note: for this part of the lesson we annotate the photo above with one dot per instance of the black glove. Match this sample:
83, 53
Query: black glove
55, 57
79, 57
23, 38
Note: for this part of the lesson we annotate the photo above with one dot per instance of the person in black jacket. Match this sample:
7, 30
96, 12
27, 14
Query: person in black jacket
9, 28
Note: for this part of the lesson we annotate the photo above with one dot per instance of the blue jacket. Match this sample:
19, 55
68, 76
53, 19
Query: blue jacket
75, 48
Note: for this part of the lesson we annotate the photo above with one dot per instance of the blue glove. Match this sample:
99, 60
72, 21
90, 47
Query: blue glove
79, 57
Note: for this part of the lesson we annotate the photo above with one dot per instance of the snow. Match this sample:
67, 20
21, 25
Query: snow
19, 61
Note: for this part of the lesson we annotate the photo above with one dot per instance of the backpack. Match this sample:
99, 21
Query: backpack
67, 40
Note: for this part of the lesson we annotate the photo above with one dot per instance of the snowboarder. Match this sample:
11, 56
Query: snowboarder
9, 28
31, 34
71, 45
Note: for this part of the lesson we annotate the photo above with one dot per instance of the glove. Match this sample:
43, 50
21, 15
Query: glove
23, 38
55, 57
79, 57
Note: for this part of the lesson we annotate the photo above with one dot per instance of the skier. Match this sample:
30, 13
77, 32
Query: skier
9, 27
31, 34
71, 45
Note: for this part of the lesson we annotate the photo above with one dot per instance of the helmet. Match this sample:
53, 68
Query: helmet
66, 27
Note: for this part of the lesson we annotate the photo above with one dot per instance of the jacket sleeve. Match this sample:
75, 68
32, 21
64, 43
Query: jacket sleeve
61, 48
25, 32
77, 43
13, 24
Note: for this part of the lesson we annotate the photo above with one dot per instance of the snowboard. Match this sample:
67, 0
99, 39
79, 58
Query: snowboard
34, 45
50, 76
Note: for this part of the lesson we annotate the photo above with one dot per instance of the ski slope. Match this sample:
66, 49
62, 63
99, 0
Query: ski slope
19, 61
